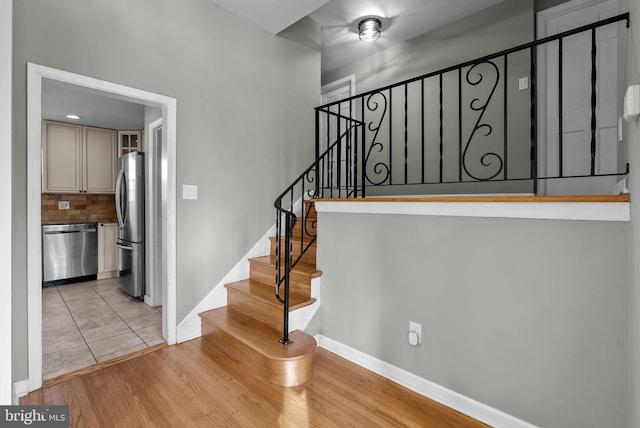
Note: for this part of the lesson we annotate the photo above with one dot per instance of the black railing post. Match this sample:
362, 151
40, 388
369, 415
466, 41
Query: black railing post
593, 101
317, 158
534, 121
287, 269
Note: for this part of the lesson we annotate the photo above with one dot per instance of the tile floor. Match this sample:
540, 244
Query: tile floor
91, 322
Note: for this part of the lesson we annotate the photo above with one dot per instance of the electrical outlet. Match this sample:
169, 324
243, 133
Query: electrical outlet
523, 83
415, 333
63, 205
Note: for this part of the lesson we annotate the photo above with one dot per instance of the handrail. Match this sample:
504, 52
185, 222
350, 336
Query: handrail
290, 219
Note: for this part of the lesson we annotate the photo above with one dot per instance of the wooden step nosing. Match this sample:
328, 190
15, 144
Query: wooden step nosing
236, 333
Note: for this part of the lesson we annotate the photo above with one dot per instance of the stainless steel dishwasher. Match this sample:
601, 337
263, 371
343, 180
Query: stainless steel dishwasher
69, 251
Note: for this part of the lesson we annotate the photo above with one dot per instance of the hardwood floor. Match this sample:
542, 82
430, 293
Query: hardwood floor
196, 385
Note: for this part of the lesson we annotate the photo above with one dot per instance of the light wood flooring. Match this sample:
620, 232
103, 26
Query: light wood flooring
196, 385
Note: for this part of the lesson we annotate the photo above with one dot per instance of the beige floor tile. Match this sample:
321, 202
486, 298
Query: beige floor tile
141, 317
57, 341
151, 334
55, 312
114, 344
88, 320
51, 298
66, 357
104, 331
59, 325
120, 353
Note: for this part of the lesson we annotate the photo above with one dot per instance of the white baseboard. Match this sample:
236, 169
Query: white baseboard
20, 389
459, 402
189, 327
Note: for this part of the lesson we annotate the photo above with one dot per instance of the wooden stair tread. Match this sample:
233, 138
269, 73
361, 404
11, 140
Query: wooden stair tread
261, 337
266, 293
301, 267
306, 239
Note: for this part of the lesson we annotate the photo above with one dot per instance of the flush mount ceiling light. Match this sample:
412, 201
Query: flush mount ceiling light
369, 29
73, 116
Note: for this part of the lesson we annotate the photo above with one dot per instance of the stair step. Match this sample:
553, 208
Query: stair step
263, 269
258, 300
308, 257
310, 228
255, 346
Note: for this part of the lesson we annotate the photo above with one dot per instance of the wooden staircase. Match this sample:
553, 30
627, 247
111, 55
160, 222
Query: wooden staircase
249, 328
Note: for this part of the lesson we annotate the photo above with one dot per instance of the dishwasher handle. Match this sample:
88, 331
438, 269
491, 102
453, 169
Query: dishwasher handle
124, 247
56, 232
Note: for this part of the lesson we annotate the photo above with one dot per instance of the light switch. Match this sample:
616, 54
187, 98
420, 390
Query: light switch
189, 191
63, 205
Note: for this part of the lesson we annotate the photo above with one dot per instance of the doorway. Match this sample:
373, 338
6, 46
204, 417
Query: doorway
330, 125
568, 152
165, 210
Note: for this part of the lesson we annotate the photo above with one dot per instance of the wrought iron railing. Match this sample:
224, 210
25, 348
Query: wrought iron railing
464, 125
328, 177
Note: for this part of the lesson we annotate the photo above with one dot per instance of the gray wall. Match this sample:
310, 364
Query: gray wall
245, 118
631, 64
503, 26
527, 316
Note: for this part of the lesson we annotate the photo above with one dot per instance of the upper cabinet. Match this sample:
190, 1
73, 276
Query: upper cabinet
78, 159
129, 141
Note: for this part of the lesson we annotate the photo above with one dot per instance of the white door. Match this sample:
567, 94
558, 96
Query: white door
574, 158
329, 127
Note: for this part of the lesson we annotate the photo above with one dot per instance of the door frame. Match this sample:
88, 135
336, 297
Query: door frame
541, 31
6, 64
35, 74
157, 255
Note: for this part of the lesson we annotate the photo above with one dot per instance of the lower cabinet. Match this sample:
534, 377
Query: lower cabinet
107, 255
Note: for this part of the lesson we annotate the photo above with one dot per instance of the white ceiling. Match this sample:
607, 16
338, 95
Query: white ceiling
95, 108
401, 20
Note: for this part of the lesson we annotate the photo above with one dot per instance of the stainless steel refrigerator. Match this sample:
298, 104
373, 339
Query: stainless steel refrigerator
130, 212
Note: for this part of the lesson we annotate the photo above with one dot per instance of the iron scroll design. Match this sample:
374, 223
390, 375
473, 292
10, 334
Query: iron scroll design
488, 158
380, 169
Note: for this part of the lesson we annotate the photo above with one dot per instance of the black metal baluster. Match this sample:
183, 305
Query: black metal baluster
390, 136
533, 119
317, 152
506, 117
593, 101
422, 126
406, 133
363, 162
460, 124
560, 112
339, 155
441, 132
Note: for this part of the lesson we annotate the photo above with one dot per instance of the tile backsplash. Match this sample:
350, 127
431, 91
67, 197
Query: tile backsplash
81, 208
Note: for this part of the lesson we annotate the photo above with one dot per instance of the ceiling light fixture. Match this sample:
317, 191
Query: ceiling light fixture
369, 29
73, 116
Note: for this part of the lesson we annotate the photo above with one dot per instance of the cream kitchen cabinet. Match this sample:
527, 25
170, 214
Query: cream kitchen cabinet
107, 254
78, 159
129, 141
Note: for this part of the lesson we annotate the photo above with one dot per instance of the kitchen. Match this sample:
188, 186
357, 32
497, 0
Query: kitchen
94, 288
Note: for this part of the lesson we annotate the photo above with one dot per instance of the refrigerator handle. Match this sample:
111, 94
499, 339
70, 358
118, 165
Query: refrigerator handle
118, 195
